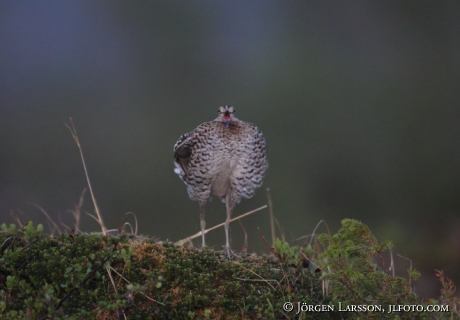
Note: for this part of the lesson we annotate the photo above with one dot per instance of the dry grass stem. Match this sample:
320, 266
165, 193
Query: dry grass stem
261, 278
181, 242
392, 266
135, 220
48, 217
16, 219
272, 217
73, 131
127, 281
245, 243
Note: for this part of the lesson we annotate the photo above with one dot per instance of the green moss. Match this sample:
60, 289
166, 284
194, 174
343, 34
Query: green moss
98, 277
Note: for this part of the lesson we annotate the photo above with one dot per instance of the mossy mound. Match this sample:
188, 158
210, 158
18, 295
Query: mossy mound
343, 276
96, 277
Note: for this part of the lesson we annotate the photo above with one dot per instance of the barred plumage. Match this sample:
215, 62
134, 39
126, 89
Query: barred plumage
226, 158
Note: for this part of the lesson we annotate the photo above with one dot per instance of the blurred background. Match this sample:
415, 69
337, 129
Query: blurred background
358, 102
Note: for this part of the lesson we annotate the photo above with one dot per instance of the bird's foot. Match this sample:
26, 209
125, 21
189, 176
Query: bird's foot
229, 253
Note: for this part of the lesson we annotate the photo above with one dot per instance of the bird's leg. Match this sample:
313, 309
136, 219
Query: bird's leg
202, 222
230, 205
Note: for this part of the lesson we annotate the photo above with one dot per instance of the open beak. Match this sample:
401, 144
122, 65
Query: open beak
227, 119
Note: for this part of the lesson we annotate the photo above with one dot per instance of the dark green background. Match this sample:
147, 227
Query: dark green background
358, 101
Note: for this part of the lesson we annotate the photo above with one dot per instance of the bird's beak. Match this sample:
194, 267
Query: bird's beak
227, 119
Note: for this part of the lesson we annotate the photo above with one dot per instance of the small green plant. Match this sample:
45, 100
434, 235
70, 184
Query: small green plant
448, 292
356, 275
286, 253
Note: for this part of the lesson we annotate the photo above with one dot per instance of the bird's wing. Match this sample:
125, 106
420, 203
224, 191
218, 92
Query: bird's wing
183, 150
252, 163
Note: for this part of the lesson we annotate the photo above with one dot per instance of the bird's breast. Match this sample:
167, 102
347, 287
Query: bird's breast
223, 173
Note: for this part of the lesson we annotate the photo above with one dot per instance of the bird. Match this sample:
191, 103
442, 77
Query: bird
225, 158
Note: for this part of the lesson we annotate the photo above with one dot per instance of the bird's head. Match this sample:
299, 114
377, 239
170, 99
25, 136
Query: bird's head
226, 115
